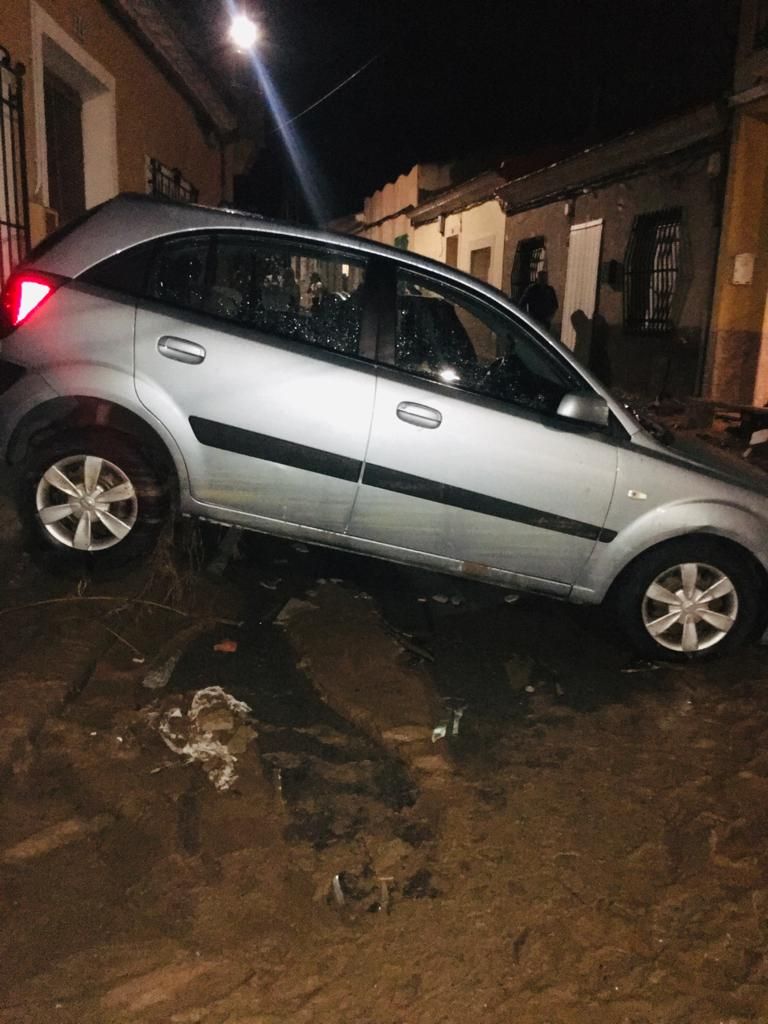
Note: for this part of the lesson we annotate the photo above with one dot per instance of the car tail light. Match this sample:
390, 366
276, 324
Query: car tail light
24, 293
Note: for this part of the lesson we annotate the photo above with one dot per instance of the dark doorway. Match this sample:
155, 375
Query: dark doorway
64, 139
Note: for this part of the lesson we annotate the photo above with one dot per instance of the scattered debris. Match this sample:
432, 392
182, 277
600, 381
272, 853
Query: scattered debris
55, 836
270, 584
422, 600
301, 548
157, 678
138, 661
228, 551
419, 886
456, 600
338, 892
385, 895
336, 580
292, 608
406, 641
449, 726
440, 598
440, 731
511, 598
641, 666
226, 646
530, 689
211, 730
457, 713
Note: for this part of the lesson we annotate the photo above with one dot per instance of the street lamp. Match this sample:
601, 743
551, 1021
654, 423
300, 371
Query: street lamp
244, 33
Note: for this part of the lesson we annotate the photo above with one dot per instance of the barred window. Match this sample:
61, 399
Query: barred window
652, 272
530, 261
169, 182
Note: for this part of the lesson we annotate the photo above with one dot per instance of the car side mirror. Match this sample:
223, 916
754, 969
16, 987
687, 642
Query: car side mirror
585, 408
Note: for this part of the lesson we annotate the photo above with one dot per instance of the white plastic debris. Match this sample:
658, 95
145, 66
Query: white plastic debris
338, 892
758, 437
301, 548
511, 598
211, 730
440, 732
440, 598
530, 689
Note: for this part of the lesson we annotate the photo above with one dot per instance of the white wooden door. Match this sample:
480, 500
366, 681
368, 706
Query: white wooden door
581, 280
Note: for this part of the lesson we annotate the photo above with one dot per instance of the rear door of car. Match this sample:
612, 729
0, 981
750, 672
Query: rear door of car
467, 458
249, 350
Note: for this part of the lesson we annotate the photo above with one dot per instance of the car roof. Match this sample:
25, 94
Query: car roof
131, 218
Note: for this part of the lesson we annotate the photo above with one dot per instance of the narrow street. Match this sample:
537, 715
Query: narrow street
584, 839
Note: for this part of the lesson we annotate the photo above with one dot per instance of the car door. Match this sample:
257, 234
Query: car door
248, 349
467, 458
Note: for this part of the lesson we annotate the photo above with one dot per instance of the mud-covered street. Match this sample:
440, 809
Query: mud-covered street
447, 805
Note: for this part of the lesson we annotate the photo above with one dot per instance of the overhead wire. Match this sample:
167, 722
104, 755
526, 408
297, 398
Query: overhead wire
312, 106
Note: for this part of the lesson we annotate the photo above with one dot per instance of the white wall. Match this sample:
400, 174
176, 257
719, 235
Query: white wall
480, 227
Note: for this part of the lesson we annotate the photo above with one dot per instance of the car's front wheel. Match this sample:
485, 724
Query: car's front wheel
689, 598
91, 501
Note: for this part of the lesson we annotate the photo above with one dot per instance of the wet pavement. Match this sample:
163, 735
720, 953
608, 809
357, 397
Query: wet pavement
585, 839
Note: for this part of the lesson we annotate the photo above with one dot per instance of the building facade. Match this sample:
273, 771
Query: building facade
737, 368
627, 233
110, 100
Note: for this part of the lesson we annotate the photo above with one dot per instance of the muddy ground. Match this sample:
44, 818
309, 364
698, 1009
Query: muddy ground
587, 841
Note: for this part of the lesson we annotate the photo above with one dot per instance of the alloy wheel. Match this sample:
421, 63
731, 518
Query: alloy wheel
690, 607
86, 503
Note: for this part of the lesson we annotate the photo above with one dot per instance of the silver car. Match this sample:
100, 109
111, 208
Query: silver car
159, 358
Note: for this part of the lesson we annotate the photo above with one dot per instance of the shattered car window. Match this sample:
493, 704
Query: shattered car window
445, 336
178, 272
307, 296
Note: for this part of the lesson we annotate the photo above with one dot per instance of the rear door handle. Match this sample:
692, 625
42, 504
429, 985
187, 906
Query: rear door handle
419, 415
180, 349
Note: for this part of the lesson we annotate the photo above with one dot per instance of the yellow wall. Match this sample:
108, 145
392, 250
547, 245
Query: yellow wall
152, 118
737, 338
478, 227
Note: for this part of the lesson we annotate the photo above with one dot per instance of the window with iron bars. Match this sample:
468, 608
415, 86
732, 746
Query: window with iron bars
169, 182
530, 260
652, 272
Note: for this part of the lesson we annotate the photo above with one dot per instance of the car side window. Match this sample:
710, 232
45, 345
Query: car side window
178, 271
442, 334
299, 293
303, 294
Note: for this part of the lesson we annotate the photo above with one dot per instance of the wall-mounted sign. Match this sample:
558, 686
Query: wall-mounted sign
743, 268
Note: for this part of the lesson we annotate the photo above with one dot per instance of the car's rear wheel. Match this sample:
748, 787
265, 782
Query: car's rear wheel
689, 598
91, 501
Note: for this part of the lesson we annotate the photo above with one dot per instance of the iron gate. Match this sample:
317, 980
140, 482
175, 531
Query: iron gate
14, 205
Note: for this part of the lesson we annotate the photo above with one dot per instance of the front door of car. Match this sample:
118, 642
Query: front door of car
467, 458
248, 351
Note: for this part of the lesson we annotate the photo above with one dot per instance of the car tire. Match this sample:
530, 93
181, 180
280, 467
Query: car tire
689, 598
91, 502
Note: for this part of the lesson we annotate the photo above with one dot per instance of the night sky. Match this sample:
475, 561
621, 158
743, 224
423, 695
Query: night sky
462, 80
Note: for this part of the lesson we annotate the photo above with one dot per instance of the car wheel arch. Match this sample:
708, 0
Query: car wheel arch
707, 537
78, 412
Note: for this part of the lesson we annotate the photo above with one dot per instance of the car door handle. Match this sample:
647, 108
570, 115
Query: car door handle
419, 415
181, 350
